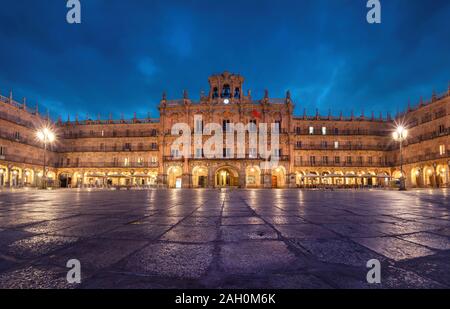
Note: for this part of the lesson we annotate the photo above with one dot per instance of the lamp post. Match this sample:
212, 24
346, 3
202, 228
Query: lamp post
45, 135
400, 134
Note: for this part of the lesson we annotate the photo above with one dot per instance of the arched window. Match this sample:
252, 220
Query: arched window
226, 92
237, 93
215, 93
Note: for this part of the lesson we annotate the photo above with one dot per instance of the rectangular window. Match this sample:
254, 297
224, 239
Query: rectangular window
370, 160
127, 146
17, 135
336, 145
442, 150
337, 160
198, 126
252, 126
102, 146
154, 146
325, 160
225, 125
126, 162
298, 145
154, 159
278, 126
324, 145
175, 153
349, 160
2, 151
198, 153
312, 160
311, 130
298, 130
252, 153
103, 133
140, 161
360, 160
336, 131
324, 130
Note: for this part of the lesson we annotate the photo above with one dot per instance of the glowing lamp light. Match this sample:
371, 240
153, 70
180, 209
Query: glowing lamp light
46, 135
400, 133
1, 171
27, 173
15, 173
252, 170
226, 101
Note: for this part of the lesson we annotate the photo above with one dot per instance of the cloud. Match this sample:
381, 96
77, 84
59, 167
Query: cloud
147, 67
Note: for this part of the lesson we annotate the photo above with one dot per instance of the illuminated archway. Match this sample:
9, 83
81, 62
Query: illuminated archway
3, 175
442, 175
200, 177
428, 176
227, 176
253, 176
174, 177
28, 177
278, 177
415, 177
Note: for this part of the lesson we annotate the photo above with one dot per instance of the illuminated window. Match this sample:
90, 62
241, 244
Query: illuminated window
324, 131
154, 159
311, 130
2, 151
126, 162
336, 145
442, 150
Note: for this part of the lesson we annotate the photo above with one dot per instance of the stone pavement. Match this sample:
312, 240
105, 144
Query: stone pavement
224, 238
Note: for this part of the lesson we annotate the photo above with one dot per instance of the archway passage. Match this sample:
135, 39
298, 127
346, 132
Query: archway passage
65, 180
278, 177
200, 177
227, 177
174, 177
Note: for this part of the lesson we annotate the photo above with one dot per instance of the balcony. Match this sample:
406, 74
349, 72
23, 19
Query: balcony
106, 149
343, 164
344, 147
107, 165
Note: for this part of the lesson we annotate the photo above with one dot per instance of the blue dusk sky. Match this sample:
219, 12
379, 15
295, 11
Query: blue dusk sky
125, 53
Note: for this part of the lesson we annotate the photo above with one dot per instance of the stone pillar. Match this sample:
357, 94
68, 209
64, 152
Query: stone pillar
161, 180
186, 180
267, 180
291, 180
242, 178
211, 177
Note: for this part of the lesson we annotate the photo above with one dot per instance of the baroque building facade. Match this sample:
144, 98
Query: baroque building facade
314, 150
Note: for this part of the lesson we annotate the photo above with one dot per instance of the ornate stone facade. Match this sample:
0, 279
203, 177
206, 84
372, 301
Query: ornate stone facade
314, 150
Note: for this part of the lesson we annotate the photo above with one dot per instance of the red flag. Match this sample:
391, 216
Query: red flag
256, 114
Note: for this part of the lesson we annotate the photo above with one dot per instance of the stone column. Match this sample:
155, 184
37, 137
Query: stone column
186, 180
161, 180
211, 177
242, 177
267, 180
291, 180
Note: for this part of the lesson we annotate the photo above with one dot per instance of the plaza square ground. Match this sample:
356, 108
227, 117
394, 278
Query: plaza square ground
224, 238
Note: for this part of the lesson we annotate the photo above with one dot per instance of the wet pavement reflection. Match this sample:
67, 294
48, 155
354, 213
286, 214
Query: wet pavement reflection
224, 238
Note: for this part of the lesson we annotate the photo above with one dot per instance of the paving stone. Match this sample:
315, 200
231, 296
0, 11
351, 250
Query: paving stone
247, 232
256, 257
394, 248
171, 260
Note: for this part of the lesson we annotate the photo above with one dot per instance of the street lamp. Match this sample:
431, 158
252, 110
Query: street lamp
400, 134
45, 135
